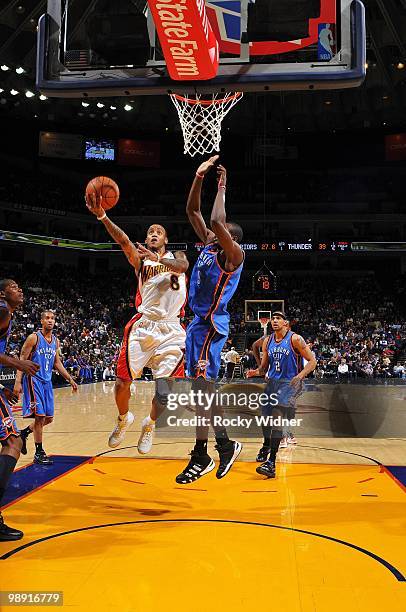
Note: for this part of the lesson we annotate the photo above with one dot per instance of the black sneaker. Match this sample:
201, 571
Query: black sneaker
24, 433
7, 534
228, 454
267, 469
198, 466
42, 458
263, 454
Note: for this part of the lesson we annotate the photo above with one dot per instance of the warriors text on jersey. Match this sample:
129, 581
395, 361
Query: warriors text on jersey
161, 292
284, 361
44, 355
211, 288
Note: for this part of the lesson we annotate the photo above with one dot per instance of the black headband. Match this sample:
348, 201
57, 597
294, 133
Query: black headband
279, 313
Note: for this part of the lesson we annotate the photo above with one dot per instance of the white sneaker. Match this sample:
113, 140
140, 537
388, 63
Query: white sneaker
147, 433
117, 435
283, 443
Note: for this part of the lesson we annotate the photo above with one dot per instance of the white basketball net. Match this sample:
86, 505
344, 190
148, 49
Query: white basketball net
200, 120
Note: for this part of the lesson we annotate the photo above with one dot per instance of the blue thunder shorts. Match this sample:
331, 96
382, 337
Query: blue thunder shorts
8, 425
38, 398
203, 349
284, 394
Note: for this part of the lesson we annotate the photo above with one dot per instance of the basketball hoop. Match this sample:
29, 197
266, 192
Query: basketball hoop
200, 120
264, 323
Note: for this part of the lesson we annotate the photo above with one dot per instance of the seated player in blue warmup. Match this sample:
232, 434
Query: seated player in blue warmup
283, 353
214, 280
11, 298
42, 347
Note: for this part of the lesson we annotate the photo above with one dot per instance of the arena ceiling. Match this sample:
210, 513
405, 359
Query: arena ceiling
381, 101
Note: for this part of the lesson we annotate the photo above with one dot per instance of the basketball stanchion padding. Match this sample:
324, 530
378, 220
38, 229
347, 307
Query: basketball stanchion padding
201, 118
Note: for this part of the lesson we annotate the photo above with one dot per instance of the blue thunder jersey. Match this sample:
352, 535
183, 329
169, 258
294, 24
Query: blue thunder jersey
4, 333
284, 362
44, 355
211, 288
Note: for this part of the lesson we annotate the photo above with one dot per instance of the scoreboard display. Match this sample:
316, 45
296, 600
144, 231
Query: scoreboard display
290, 246
263, 281
286, 245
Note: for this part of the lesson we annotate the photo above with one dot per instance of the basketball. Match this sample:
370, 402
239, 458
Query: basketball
104, 187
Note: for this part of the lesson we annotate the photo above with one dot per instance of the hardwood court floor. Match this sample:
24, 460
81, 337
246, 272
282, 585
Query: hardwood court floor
116, 532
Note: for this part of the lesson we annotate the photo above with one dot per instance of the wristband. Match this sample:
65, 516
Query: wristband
200, 176
1, 387
102, 217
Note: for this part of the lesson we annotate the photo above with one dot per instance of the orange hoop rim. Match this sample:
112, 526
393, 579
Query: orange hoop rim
264, 321
236, 95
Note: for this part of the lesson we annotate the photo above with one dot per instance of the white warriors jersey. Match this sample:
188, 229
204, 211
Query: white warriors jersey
161, 293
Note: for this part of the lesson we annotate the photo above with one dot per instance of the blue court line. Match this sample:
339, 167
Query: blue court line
399, 472
31, 477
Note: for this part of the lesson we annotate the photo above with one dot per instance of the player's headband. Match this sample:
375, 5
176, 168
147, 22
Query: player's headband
279, 313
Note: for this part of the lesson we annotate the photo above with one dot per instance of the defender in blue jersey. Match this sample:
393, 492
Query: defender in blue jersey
11, 298
213, 283
283, 353
42, 347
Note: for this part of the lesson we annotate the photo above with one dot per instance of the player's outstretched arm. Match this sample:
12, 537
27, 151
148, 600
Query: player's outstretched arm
59, 367
28, 347
115, 232
179, 265
28, 367
232, 249
194, 202
264, 365
256, 350
303, 349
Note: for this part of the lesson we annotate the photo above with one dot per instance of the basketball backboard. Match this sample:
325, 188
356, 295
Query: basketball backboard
101, 48
255, 310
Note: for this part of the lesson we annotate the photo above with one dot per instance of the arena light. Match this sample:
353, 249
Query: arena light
1, 90
113, 107
128, 107
4, 68
100, 105
29, 94
85, 104
20, 70
400, 65
42, 97
14, 92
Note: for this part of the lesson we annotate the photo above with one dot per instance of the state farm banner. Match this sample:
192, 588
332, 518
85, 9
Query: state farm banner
395, 147
188, 43
144, 153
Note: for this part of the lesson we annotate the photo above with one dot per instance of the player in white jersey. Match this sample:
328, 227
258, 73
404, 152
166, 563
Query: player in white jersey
154, 337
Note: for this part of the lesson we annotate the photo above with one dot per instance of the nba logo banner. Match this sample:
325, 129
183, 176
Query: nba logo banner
327, 46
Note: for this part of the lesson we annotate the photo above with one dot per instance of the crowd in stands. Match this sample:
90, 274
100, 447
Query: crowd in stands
354, 326
162, 192
89, 321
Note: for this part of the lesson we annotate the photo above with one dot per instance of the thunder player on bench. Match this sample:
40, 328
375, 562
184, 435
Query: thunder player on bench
42, 347
283, 353
154, 337
214, 280
11, 298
